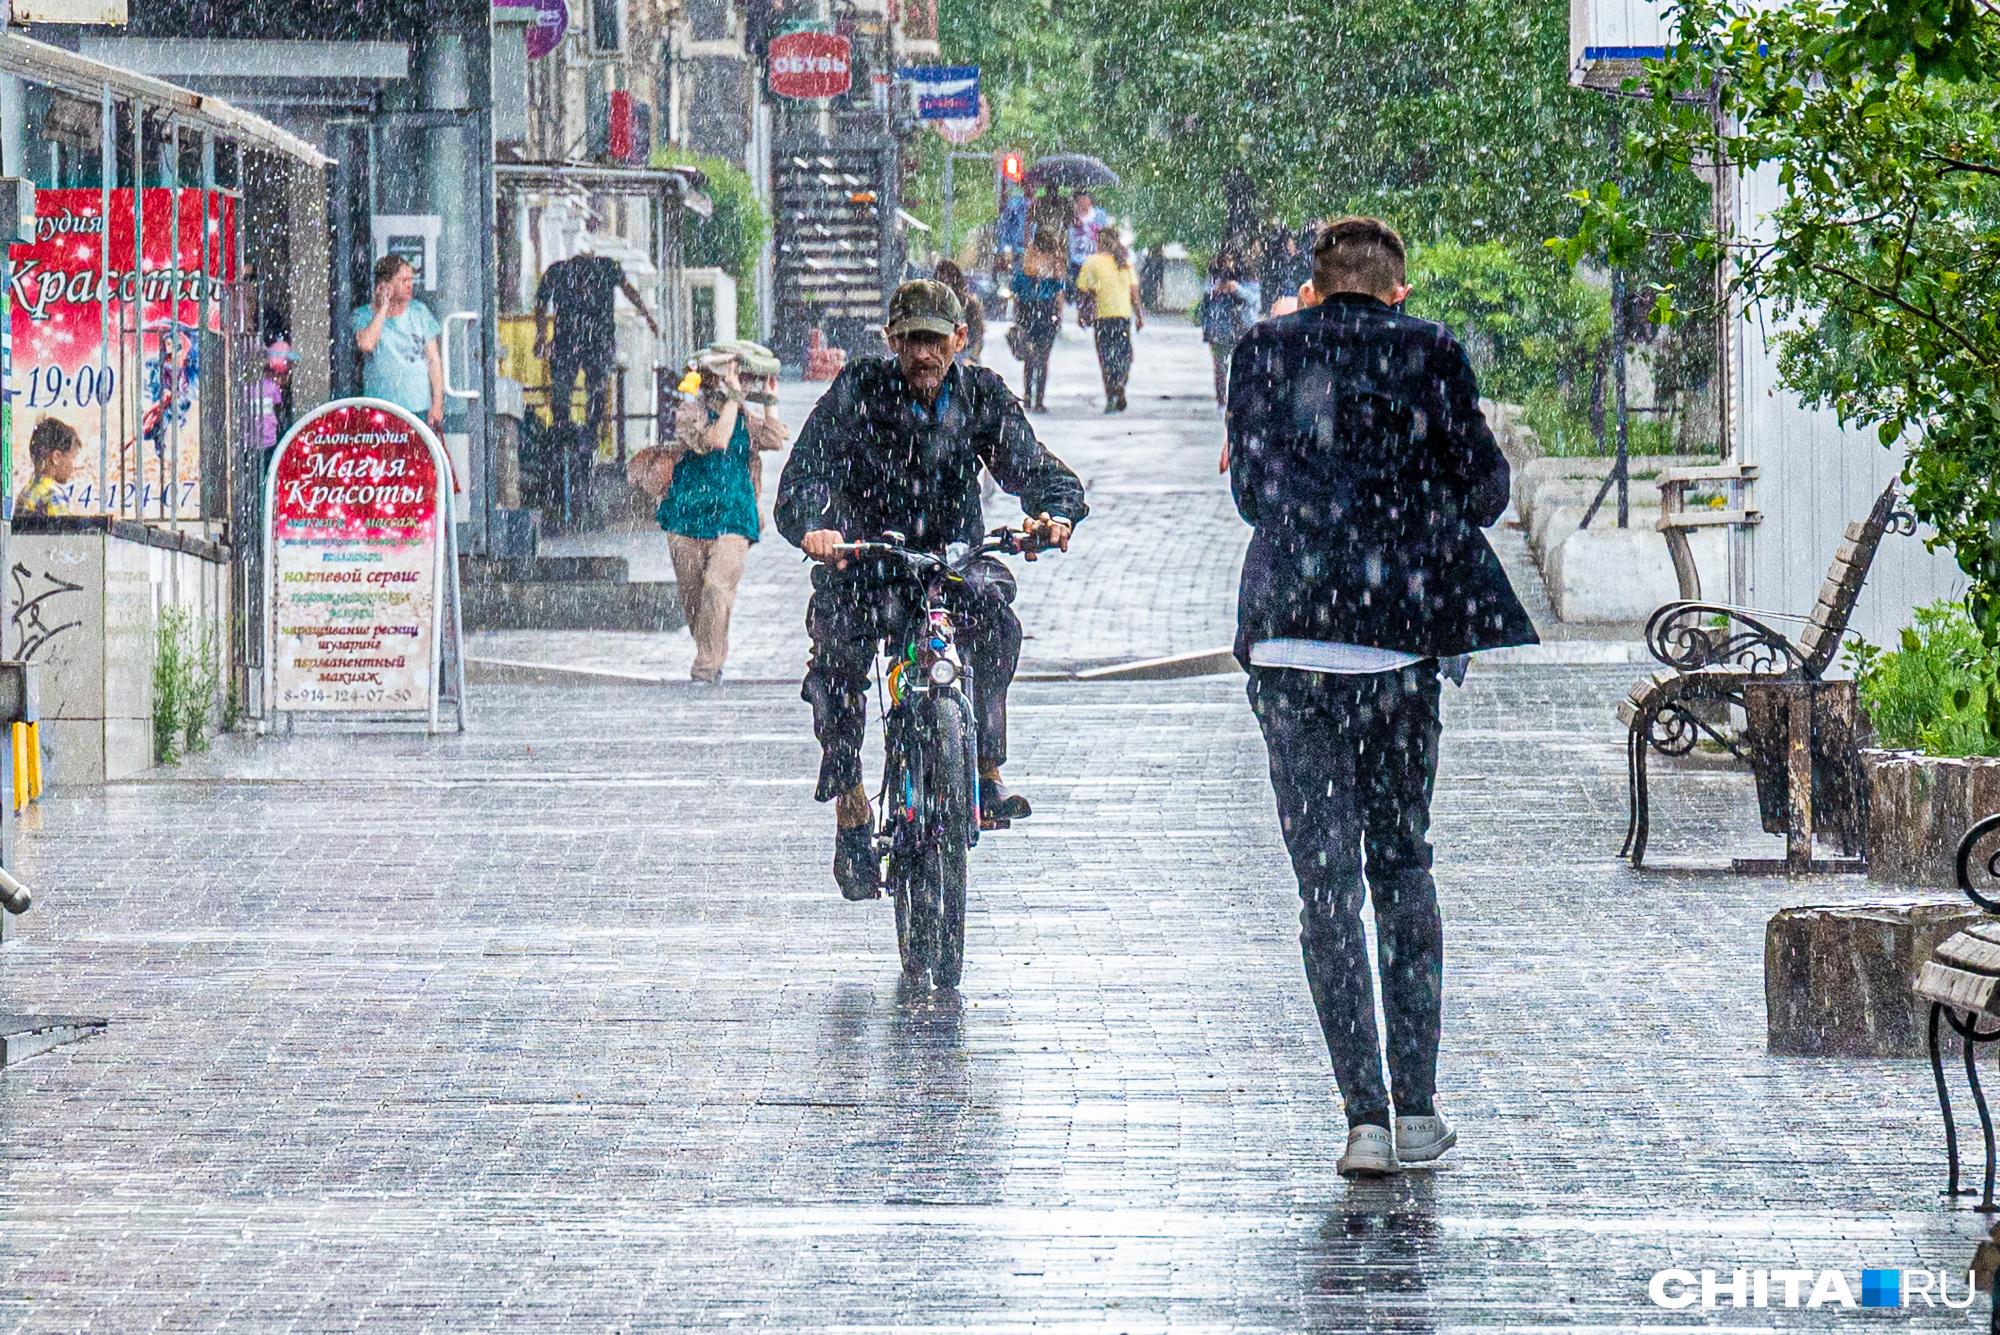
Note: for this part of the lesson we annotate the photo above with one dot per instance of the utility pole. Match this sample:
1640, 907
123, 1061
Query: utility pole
949, 160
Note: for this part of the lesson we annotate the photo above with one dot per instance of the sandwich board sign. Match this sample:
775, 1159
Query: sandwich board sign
361, 590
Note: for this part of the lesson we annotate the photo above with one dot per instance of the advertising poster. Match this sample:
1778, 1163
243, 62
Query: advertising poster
357, 528
62, 367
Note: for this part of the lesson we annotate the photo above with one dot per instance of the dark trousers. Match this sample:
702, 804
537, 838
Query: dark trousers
564, 364
1114, 357
849, 613
1040, 322
1353, 759
1222, 352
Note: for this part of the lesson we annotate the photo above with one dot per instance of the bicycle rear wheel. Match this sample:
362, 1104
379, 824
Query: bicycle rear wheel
954, 808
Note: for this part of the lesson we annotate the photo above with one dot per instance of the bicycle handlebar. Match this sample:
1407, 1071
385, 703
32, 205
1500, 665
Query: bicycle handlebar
1006, 541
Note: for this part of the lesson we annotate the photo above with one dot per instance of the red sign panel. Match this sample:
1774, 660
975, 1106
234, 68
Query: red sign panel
809, 65
62, 367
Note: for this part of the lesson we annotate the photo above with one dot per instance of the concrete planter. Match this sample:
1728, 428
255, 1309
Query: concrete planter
1837, 978
1919, 807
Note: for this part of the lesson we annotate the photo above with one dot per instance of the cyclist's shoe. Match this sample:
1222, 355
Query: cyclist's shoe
997, 803
854, 863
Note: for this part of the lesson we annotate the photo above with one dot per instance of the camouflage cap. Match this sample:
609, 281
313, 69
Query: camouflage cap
924, 305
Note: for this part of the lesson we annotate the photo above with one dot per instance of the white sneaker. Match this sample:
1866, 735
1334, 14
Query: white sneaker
1423, 1140
1370, 1153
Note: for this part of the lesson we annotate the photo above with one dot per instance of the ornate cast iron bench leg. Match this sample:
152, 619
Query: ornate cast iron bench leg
1970, 1039
1635, 793
1944, 1103
1962, 978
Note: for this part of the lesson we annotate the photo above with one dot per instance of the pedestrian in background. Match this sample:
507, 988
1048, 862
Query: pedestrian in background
1086, 220
1359, 455
709, 506
1153, 276
1038, 298
1107, 278
953, 277
271, 388
582, 336
398, 339
1287, 266
55, 451
1226, 313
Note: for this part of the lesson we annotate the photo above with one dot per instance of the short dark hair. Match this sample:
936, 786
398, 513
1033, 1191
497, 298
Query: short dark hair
389, 266
1357, 254
52, 436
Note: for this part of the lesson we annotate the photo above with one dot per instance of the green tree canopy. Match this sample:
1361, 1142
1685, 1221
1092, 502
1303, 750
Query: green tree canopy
1879, 124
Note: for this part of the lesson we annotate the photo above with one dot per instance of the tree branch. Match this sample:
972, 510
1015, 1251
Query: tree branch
1957, 165
1904, 304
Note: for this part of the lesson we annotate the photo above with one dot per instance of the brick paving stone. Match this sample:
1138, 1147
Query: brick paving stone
560, 1025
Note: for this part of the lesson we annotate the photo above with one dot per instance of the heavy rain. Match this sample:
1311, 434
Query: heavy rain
958, 665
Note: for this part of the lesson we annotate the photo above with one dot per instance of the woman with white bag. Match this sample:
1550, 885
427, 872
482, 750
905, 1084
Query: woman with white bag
707, 478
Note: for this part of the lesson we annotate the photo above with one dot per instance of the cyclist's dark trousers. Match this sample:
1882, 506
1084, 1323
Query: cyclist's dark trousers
1353, 758
848, 614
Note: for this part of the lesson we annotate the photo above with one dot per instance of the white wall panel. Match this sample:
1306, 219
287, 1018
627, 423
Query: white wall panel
1815, 477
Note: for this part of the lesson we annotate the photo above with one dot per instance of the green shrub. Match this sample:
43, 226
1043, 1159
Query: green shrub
733, 236
1538, 335
1938, 692
184, 684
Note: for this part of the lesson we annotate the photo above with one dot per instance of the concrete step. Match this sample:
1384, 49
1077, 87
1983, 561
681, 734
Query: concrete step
650, 605
25, 1036
546, 570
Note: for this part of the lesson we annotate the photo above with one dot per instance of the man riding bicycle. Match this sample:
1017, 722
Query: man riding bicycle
895, 446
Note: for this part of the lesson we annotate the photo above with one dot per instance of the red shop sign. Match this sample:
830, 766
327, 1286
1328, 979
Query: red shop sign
809, 65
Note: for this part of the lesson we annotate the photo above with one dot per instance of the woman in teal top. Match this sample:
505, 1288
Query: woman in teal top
710, 509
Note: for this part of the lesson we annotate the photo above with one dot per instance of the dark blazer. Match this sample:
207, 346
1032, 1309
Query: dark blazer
1358, 451
869, 461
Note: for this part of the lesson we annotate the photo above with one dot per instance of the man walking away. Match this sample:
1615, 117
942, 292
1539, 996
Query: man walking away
1358, 453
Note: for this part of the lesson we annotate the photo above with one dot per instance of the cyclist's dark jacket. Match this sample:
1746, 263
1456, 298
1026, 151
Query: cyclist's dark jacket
869, 461
1358, 451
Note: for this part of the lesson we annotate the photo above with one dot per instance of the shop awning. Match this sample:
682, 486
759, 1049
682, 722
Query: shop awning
83, 77
683, 182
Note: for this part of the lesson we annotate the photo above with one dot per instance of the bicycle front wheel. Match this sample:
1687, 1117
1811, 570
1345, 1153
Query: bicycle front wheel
911, 882
954, 808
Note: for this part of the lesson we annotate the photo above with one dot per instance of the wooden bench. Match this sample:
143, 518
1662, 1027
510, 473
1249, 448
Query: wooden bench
1677, 521
1800, 733
1962, 983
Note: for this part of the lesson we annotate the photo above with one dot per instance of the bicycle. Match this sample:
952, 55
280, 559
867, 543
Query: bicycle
927, 814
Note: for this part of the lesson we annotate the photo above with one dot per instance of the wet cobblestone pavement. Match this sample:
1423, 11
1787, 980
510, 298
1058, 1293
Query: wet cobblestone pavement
561, 1025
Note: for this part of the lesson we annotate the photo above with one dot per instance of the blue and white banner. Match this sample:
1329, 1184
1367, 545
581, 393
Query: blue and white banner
944, 92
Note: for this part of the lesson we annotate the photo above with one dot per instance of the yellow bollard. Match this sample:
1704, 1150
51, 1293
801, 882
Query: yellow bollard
35, 762
20, 735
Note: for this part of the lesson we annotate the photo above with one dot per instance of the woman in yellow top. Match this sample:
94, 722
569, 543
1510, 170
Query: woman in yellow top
1109, 278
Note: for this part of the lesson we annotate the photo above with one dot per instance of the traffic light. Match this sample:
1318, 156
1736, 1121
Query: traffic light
1010, 167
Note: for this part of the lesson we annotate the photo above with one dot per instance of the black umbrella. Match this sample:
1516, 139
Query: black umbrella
1070, 171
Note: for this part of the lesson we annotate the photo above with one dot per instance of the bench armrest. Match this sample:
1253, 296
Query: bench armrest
1680, 635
